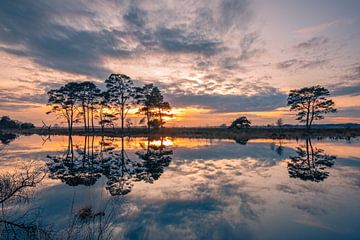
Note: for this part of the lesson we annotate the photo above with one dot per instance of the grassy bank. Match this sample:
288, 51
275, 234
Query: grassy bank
219, 133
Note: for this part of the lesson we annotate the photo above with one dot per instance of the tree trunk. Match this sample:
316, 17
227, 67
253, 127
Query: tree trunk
84, 115
312, 113
148, 121
307, 115
160, 117
88, 118
92, 119
122, 117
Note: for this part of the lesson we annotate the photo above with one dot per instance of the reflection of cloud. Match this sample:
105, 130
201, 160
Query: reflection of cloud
246, 205
312, 222
311, 209
219, 197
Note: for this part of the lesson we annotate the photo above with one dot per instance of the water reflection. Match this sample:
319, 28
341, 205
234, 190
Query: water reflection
241, 140
310, 163
85, 164
201, 188
6, 138
278, 147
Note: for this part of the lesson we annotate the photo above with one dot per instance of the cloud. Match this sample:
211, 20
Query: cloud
53, 44
315, 29
178, 40
247, 43
297, 64
248, 51
263, 101
341, 90
353, 73
234, 12
312, 43
135, 16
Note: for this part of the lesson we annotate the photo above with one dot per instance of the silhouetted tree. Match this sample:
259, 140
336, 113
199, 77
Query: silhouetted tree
163, 107
152, 105
143, 98
63, 103
310, 103
279, 122
241, 122
88, 95
103, 103
7, 123
121, 93
310, 163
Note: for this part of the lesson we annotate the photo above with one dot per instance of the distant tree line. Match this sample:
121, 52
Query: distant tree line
84, 102
8, 123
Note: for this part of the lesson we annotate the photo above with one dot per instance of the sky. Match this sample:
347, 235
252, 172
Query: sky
214, 60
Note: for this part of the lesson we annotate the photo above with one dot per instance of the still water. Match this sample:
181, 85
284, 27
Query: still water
177, 188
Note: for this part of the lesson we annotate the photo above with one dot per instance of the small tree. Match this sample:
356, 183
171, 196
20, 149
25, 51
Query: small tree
310, 103
121, 92
241, 122
279, 122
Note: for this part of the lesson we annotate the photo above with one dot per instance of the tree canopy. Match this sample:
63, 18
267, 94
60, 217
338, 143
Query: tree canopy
311, 104
241, 122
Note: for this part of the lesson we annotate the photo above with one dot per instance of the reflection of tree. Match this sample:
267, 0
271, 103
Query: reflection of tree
76, 167
241, 140
6, 138
119, 170
84, 166
278, 148
155, 157
310, 164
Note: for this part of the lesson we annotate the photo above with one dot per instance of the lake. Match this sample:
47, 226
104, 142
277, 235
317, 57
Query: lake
178, 188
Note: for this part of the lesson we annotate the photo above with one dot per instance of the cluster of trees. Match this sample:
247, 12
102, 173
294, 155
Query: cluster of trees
8, 123
85, 102
310, 103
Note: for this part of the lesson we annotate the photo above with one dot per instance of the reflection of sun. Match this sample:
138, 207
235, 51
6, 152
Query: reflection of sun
165, 142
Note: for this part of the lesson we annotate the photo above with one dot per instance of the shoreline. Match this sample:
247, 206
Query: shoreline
213, 133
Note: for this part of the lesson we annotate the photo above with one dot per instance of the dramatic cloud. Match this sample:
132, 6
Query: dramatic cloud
177, 40
232, 103
340, 90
